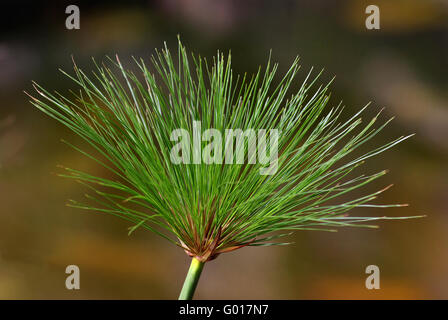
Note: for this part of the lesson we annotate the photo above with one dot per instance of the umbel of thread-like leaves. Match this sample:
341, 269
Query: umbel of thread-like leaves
127, 120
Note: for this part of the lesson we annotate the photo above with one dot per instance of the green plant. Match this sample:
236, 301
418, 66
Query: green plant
210, 209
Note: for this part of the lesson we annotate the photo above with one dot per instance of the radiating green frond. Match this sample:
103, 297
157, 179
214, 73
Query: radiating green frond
208, 209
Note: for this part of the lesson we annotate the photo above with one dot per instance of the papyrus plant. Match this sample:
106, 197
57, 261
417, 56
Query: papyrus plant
209, 209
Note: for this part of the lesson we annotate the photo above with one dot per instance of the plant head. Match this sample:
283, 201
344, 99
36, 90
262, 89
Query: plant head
211, 208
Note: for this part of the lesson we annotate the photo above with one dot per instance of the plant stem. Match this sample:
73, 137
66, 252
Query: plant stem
191, 280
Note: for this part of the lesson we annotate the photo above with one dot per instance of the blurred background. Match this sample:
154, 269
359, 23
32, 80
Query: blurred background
402, 67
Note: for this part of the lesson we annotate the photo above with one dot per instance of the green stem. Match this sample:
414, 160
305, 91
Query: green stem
191, 280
